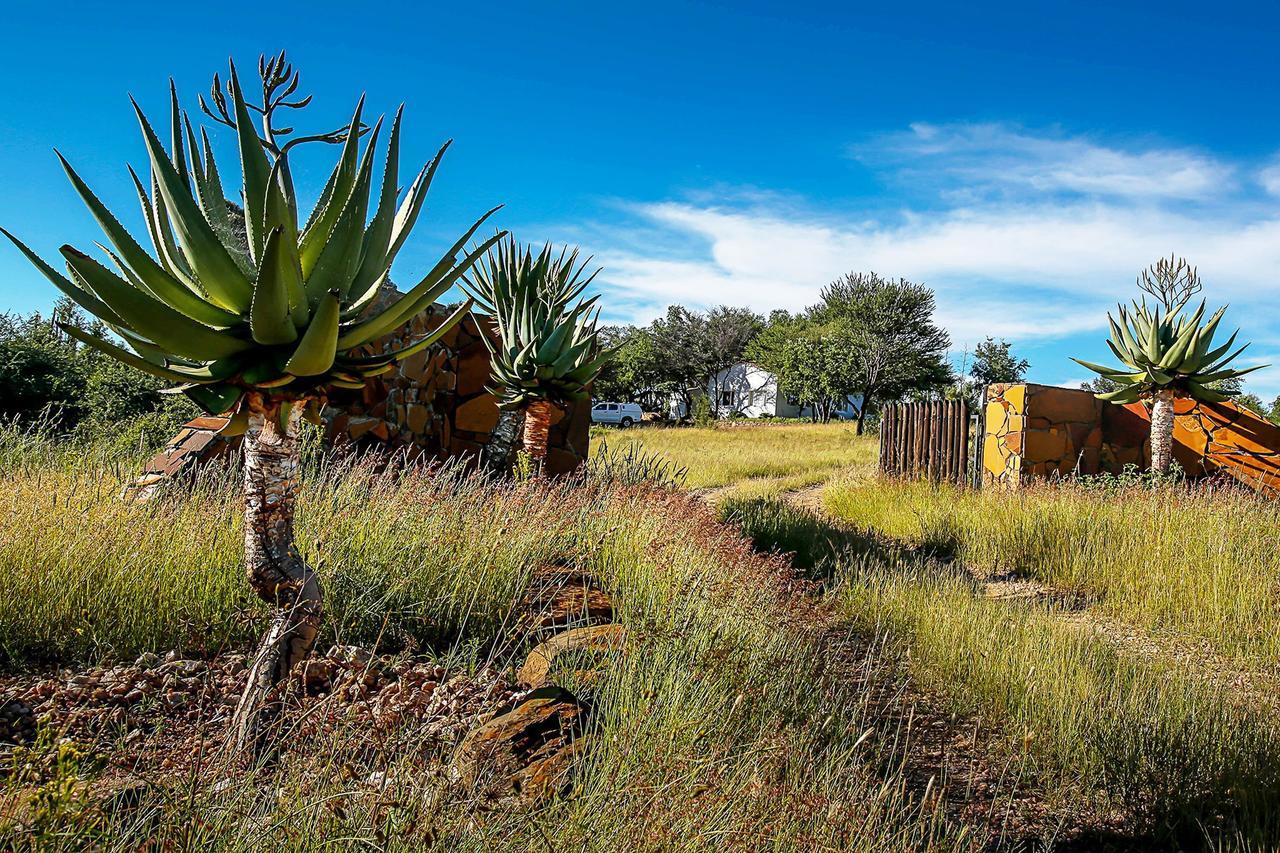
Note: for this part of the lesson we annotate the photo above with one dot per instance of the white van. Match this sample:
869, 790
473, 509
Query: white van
622, 414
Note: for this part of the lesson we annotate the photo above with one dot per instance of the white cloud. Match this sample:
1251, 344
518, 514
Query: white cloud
1005, 158
1269, 178
1045, 268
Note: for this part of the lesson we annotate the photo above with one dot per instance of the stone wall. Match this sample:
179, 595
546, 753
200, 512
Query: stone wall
434, 404
1036, 431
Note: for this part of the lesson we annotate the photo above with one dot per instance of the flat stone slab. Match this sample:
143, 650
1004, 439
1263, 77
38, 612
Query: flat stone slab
594, 638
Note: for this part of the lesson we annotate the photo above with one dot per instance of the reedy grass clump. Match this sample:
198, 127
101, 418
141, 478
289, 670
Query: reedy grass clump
1174, 559
1143, 733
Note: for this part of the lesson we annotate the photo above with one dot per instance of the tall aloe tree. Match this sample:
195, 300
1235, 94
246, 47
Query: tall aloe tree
256, 315
548, 351
1169, 355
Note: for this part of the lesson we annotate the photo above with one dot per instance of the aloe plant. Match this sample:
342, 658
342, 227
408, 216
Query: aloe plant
547, 353
256, 314
1170, 355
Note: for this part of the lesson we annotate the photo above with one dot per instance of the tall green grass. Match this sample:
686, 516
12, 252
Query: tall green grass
1193, 563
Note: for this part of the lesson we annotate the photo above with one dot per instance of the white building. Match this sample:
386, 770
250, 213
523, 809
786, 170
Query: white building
748, 390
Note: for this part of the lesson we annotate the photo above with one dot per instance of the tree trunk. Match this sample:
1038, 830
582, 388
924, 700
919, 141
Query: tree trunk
537, 426
1162, 431
273, 568
497, 455
862, 412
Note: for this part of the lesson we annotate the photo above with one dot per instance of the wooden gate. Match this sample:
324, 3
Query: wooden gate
926, 441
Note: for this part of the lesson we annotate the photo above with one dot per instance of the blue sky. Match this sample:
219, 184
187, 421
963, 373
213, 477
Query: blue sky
1023, 159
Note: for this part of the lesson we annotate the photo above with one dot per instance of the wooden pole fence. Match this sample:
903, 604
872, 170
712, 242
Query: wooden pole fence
926, 441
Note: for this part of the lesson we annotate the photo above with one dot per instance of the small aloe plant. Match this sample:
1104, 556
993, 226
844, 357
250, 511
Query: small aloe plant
1169, 355
256, 315
548, 351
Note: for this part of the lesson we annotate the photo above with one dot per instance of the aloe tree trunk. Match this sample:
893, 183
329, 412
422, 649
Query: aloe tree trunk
273, 566
537, 428
497, 455
1162, 431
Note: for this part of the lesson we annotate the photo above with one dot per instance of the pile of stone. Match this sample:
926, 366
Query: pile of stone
517, 738
526, 753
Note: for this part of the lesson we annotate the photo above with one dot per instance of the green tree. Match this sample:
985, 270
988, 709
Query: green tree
993, 361
632, 375
729, 331
1253, 403
257, 316
897, 346
1273, 411
40, 374
815, 363
690, 348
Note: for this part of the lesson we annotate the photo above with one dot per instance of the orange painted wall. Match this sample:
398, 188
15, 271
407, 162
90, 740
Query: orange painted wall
1038, 431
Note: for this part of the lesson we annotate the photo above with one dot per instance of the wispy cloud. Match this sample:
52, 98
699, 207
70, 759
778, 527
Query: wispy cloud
1269, 178
1002, 158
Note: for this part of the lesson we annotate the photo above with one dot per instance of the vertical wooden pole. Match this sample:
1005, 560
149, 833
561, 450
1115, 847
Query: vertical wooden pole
902, 429
929, 436
895, 448
909, 462
924, 440
917, 437
939, 431
957, 464
894, 439
884, 432
957, 453
935, 427
944, 440
964, 440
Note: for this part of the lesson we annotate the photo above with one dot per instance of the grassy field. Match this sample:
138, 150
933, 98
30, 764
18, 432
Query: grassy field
1131, 705
727, 726
1140, 684
758, 459
1106, 727
1139, 681
1198, 565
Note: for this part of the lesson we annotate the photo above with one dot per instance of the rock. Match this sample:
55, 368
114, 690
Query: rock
560, 462
473, 372
415, 365
416, 417
358, 427
595, 638
479, 414
549, 776
317, 673
350, 656
17, 722
563, 597
524, 754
